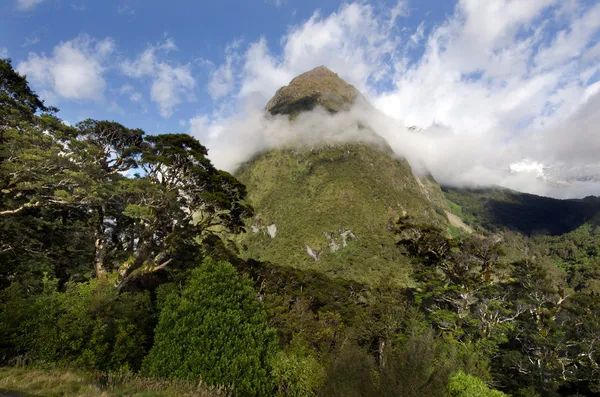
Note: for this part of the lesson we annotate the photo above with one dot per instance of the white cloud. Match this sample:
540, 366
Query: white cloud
221, 79
126, 88
497, 82
401, 9
571, 42
170, 86
419, 34
3, 52
115, 108
125, 9
351, 41
74, 70
31, 40
28, 4
135, 97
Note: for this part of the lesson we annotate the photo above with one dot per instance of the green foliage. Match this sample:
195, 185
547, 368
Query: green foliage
68, 207
216, 330
419, 367
90, 325
312, 193
352, 373
369, 290
465, 385
497, 209
17, 100
297, 374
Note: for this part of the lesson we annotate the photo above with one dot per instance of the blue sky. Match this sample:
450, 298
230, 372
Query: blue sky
495, 82
200, 30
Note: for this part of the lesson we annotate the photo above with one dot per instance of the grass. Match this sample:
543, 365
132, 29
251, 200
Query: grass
308, 192
53, 382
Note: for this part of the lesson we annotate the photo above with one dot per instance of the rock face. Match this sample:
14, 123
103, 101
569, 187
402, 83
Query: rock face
318, 87
334, 204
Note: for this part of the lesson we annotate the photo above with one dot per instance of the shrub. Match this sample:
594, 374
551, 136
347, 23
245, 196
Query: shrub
421, 366
464, 385
297, 374
90, 325
216, 330
351, 373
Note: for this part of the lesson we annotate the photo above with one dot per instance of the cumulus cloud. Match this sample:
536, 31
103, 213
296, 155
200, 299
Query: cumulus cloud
493, 84
74, 70
221, 79
28, 4
171, 84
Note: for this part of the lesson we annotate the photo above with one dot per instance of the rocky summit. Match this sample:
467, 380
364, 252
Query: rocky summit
331, 206
317, 87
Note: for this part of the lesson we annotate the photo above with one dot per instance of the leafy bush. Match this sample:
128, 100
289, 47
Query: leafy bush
297, 374
216, 330
464, 385
420, 367
352, 373
90, 325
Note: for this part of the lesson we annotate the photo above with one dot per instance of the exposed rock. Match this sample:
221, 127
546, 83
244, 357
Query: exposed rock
254, 228
317, 87
457, 222
347, 235
272, 230
313, 253
333, 246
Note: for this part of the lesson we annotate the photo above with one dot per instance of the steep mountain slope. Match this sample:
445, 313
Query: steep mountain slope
496, 209
330, 206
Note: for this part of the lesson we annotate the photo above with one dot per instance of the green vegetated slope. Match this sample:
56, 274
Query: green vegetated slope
337, 202
563, 235
330, 207
497, 208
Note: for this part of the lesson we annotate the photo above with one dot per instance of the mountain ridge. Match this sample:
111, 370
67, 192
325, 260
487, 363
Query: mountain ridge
332, 206
317, 87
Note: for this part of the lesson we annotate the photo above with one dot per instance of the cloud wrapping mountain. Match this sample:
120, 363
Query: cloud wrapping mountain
495, 83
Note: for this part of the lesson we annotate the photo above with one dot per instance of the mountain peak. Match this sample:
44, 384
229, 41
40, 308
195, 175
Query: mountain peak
317, 87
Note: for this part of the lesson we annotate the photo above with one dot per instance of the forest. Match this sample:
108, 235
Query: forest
118, 261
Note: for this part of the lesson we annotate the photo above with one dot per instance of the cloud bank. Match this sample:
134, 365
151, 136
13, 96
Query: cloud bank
74, 70
496, 83
170, 83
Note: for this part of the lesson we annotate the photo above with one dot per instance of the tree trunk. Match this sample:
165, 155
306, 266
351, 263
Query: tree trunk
381, 353
100, 246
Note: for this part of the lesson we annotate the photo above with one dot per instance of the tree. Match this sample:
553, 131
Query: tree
35, 237
459, 286
18, 102
216, 330
133, 203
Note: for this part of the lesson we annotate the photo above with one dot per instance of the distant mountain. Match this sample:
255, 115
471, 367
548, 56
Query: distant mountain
496, 209
558, 174
331, 206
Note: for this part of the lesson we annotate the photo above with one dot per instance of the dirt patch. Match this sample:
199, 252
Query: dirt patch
457, 222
